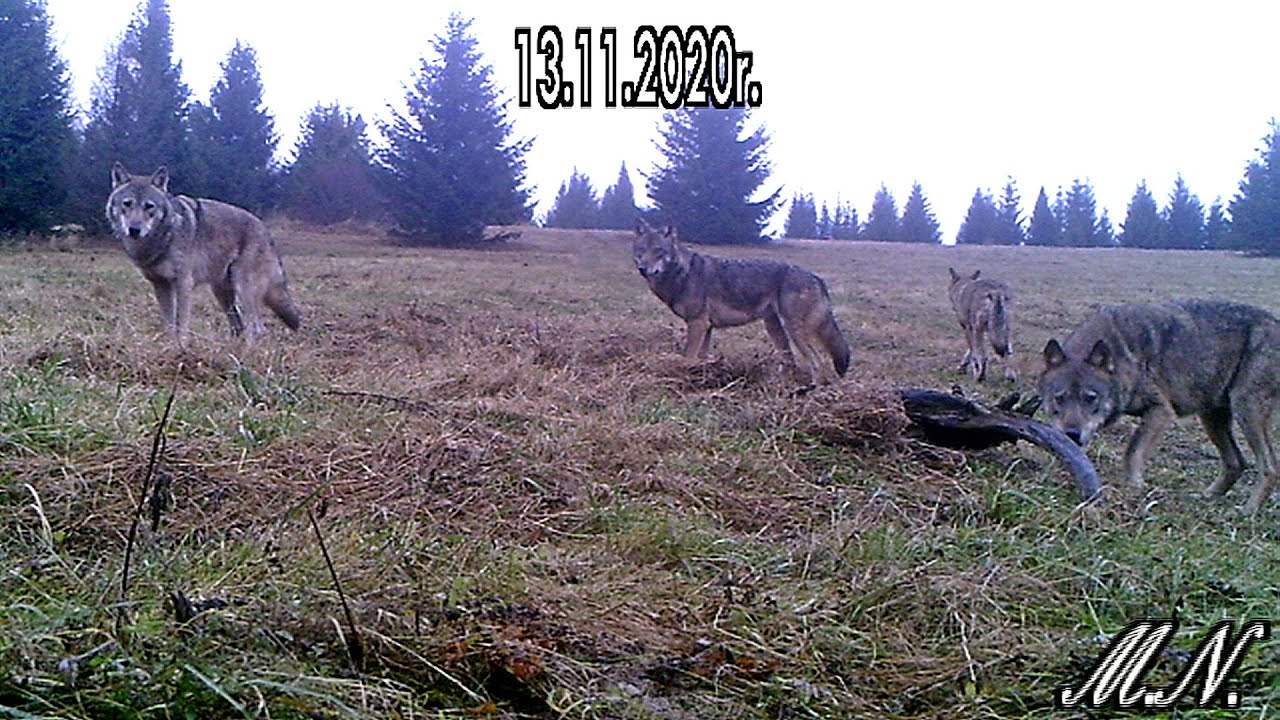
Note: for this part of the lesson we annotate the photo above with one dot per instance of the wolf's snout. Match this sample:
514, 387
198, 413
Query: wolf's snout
135, 232
1076, 437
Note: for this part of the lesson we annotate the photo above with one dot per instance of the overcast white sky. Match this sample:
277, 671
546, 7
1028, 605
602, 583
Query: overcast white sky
955, 95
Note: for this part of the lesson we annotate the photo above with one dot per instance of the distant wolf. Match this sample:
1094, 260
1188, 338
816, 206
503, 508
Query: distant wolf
1218, 360
710, 292
180, 242
982, 305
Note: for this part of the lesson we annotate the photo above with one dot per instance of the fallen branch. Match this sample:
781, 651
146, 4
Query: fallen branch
957, 422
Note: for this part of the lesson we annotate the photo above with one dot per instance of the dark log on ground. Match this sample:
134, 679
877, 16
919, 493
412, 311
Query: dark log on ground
957, 422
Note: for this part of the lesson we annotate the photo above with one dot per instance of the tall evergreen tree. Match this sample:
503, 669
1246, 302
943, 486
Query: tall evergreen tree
1217, 229
918, 222
1045, 227
845, 226
802, 218
233, 137
137, 112
1255, 210
331, 177
618, 204
1008, 218
981, 224
35, 119
1104, 234
709, 183
1183, 219
1141, 227
1080, 221
883, 224
824, 222
575, 205
450, 166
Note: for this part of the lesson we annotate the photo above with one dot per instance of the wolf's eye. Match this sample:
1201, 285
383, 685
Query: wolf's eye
127, 204
1089, 398
148, 206
1058, 401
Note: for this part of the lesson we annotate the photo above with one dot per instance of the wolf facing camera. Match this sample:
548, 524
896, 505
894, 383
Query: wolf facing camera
179, 243
1217, 360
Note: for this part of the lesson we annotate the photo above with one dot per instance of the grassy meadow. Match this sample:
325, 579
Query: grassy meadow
534, 508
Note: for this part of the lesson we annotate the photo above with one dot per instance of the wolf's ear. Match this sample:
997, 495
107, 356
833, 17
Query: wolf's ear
1054, 356
161, 179
119, 175
1100, 357
641, 226
671, 232
954, 275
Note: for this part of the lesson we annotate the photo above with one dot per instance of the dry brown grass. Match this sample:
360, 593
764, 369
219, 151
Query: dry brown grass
537, 509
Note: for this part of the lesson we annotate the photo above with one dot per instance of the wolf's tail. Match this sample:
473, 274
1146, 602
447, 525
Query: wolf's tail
1000, 325
280, 302
833, 340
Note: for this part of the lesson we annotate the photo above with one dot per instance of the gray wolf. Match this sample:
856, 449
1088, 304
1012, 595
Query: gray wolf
709, 292
1217, 360
178, 243
982, 305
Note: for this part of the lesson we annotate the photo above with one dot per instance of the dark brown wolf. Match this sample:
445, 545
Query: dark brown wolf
710, 292
1217, 360
180, 242
982, 305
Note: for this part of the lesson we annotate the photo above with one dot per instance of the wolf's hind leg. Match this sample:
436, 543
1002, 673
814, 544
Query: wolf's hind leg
1217, 424
1255, 422
777, 335
226, 296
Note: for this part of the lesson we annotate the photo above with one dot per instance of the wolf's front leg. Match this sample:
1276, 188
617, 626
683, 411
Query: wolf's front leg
182, 306
697, 338
165, 300
1151, 427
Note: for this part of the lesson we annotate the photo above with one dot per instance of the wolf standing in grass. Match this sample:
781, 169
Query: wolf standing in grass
709, 292
1217, 360
983, 308
180, 242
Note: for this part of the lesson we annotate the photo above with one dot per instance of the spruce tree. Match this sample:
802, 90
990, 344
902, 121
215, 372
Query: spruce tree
1255, 210
981, 222
918, 222
575, 205
882, 221
233, 137
450, 166
710, 179
331, 177
802, 218
1217, 229
845, 226
1045, 228
824, 222
35, 120
137, 113
618, 204
1141, 227
1008, 218
1080, 221
1183, 219
1104, 233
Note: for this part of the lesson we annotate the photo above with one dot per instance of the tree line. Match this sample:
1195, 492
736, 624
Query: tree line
54, 166
1072, 219
449, 164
